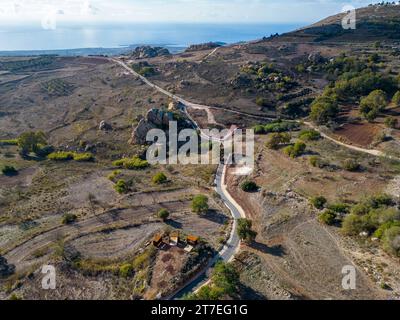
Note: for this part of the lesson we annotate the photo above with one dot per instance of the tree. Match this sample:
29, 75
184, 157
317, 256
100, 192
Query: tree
159, 178
31, 142
225, 277
276, 139
9, 171
244, 230
296, 150
396, 99
200, 204
324, 109
318, 202
391, 240
163, 214
371, 105
391, 122
249, 186
69, 218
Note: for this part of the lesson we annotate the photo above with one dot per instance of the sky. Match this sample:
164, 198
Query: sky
16, 12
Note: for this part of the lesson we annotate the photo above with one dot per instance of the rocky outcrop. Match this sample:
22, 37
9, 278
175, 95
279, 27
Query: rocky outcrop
104, 126
316, 58
203, 46
5, 268
154, 119
146, 52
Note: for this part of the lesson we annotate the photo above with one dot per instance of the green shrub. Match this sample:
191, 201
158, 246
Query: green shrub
249, 186
374, 103
9, 171
379, 233
379, 200
159, 178
351, 165
296, 150
126, 270
262, 102
112, 176
9, 142
277, 139
244, 230
31, 142
200, 204
259, 129
309, 135
83, 157
391, 241
328, 217
391, 122
396, 99
339, 207
134, 163
69, 218
45, 151
121, 187
318, 202
316, 162
163, 214
61, 156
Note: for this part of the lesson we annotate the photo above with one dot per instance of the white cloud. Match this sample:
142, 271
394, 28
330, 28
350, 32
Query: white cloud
285, 11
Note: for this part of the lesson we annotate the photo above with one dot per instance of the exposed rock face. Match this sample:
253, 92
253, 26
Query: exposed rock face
5, 268
149, 52
104, 126
316, 58
155, 118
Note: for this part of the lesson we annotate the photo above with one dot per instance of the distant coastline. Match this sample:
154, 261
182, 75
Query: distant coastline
107, 40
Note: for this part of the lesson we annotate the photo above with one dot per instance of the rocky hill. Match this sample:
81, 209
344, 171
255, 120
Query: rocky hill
373, 23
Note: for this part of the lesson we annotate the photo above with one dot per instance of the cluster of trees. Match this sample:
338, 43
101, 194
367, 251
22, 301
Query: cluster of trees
68, 155
134, 163
376, 216
224, 284
350, 87
276, 126
295, 150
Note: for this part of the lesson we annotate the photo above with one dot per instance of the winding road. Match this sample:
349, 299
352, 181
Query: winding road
233, 244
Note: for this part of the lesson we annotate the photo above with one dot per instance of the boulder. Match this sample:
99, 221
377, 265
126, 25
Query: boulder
5, 268
146, 52
154, 119
316, 57
104, 126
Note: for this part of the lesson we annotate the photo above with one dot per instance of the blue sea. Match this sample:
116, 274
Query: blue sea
120, 36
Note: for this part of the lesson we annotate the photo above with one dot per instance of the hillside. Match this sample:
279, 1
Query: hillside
376, 22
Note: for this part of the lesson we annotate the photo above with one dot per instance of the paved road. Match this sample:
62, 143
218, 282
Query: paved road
233, 244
